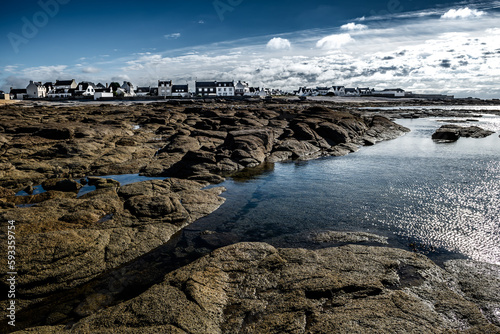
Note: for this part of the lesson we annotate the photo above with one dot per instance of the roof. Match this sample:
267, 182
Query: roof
18, 91
225, 84
206, 84
100, 85
351, 89
86, 85
64, 82
180, 88
38, 84
338, 87
393, 89
143, 90
164, 81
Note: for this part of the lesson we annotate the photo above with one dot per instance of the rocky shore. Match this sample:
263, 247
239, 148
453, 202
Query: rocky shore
78, 255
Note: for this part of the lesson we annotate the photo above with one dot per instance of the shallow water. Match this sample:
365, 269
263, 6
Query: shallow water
123, 179
442, 197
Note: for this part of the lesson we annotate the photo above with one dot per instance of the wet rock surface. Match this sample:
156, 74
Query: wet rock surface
92, 259
65, 241
160, 139
256, 288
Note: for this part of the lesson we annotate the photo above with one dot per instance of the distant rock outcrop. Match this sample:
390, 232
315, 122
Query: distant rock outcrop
453, 132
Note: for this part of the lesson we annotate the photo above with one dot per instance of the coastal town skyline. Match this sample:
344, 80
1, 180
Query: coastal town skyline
449, 48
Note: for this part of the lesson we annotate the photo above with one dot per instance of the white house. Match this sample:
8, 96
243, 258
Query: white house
164, 88
225, 88
102, 92
180, 90
36, 90
351, 92
241, 88
365, 91
338, 90
128, 88
101, 95
85, 89
304, 91
63, 88
392, 92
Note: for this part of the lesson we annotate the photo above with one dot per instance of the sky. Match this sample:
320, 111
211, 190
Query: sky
421, 46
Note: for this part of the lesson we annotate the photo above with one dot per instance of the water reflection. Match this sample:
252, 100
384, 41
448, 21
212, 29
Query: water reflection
433, 198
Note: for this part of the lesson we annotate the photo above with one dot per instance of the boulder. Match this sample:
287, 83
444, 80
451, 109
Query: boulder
452, 132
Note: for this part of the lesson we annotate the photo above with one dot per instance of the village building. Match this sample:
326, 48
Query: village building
102, 92
63, 89
391, 92
18, 94
180, 91
128, 88
36, 90
4, 96
206, 88
225, 88
324, 90
143, 91
365, 91
65, 84
351, 92
338, 90
164, 88
241, 89
85, 89
48, 87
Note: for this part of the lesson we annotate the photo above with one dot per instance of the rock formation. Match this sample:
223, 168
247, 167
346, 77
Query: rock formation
256, 288
454, 132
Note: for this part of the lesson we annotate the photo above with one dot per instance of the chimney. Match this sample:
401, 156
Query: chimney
106, 85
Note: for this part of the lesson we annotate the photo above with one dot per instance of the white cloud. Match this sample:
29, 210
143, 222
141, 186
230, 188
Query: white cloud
91, 69
333, 42
353, 26
173, 36
493, 31
462, 13
278, 43
201, 22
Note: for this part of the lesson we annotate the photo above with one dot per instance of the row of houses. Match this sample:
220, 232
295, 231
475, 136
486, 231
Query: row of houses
344, 91
71, 89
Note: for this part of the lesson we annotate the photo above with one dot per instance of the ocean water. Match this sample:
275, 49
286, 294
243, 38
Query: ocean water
441, 199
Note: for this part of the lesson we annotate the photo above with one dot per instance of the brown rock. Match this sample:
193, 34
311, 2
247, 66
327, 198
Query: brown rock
255, 288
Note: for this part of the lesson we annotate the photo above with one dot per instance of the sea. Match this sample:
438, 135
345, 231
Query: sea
439, 199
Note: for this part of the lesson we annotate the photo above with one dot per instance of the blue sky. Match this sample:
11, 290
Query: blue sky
423, 46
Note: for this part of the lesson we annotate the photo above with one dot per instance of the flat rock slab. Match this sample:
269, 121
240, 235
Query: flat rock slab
256, 288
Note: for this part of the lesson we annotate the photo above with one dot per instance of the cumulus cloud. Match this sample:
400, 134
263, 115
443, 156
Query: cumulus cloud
91, 69
353, 26
462, 13
173, 36
333, 42
278, 43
